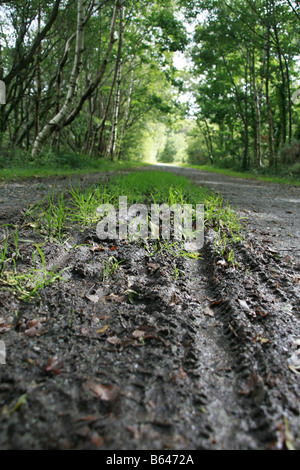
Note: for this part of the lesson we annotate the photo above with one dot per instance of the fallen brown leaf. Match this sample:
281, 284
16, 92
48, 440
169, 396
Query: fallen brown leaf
174, 299
86, 418
216, 302
105, 392
92, 298
153, 266
5, 328
54, 365
114, 297
114, 340
97, 440
209, 312
36, 330
138, 334
102, 330
32, 323
96, 248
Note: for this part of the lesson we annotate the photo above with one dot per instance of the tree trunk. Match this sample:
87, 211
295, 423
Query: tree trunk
257, 114
271, 155
126, 114
116, 109
59, 118
38, 78
282, 87
93, 85
246, 147
289, 98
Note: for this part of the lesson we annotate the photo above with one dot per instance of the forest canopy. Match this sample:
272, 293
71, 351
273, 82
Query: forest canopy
98, 78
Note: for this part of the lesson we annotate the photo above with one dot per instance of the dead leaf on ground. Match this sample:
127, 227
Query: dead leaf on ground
102, 330
35, 330
5, 328
216, 302
147, 328
262, 340
95, 248
174, 299
254, 385
153, 266
87, 418
97, 440
105, 392
138, 334
32, 323
54, 365
132, 431
209, 312
114, 340
116, 298
92, 298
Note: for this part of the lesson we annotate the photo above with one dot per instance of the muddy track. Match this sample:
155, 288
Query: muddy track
172, 353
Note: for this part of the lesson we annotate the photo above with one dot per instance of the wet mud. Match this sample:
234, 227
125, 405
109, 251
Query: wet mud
159, 352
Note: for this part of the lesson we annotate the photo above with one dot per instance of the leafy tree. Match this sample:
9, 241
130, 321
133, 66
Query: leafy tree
245, 61
169, 152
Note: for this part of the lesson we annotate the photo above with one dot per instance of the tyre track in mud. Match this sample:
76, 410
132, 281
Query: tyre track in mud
210, 372
260, 335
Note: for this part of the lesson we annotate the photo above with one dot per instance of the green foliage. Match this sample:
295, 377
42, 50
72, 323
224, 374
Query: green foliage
245, 64
172, 35
169, 152
26, 284
138, 69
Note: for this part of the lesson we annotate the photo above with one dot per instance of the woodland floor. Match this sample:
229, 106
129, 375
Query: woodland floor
208, 359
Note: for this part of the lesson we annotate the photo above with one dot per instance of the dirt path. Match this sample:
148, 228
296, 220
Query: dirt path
15, 197
172, 353
272, 210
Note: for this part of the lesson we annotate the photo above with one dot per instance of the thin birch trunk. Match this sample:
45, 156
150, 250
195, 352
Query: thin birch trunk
38, 79
116, 109
93, 85
269, 109
126, 114
257, 115
56, 122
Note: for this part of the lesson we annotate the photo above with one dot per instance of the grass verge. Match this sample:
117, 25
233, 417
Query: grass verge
246, 175
56, 218
47, 171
